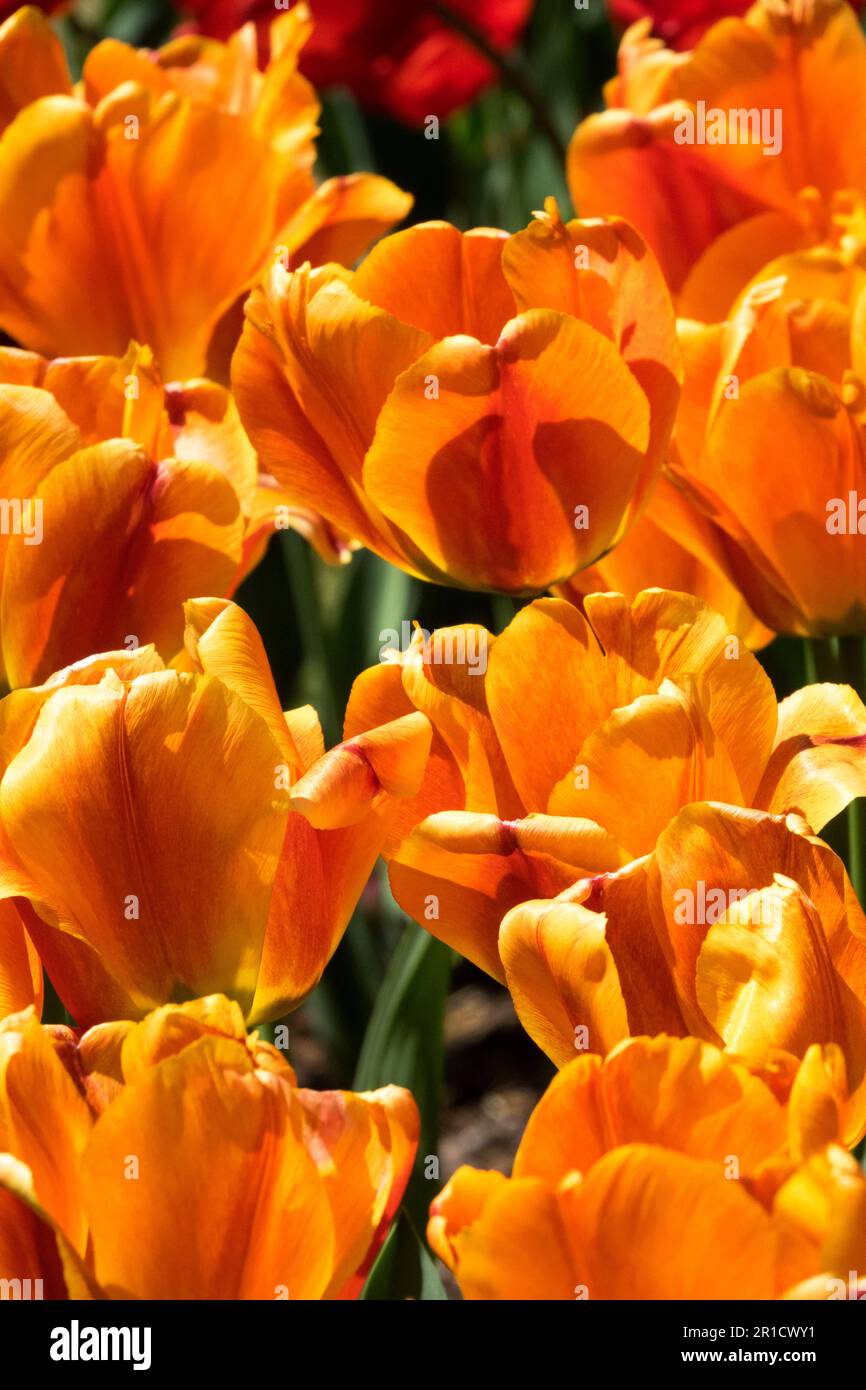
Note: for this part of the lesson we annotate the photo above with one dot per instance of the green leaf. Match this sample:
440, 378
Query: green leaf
404, 1268
403, 1043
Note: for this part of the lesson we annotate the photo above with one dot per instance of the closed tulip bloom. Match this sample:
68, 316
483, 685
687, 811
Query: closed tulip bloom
111, 226
666, 1146
734, 152
536, 376
770, 442
168, 833
564, 748
186, 1163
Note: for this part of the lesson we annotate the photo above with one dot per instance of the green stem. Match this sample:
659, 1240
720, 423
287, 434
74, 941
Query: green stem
853, 673
843, 660
299, 562
513, 70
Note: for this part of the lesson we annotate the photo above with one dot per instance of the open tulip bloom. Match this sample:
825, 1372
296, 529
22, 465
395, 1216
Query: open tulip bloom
611, 785
667, 1145
185, 1162
618, 821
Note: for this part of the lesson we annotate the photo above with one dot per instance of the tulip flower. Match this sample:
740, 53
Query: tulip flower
398, 56
168, 833
119, 486
739, 928
536, 375
564, 747
716, 201
172, 496
771, 437
666, 1171
185, 1163
143, 203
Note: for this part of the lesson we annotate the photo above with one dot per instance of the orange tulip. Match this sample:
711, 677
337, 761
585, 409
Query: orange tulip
771, 438
117, 484
666, 1171
185, 1163
171, 833
565, 747
739, 928
125, 488
733, 153
536, 375
143, 203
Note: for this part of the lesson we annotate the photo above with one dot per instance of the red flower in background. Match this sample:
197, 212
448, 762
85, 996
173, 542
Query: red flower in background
398, 56
8, 7
679, 22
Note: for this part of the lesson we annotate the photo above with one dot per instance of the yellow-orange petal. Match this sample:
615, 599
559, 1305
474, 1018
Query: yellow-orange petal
679, 1093
547, 687
514, 1247
458, 873
363, 1145
639, 1202
173, 772
342, 218
44, 1122
818, 764
563, 978
155, 533
20, 967
32, 64
198, 1184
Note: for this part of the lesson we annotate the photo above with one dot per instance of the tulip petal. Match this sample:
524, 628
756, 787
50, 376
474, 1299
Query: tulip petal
174, 903
20, 967
547, 688
679, 1093
514, 1247
651, 1224
440, 280
252, 1221
105, 218
819, 762
341, 219
31, 62
44, 1122
457, 874
563, 978
674, 636
155, 533
642, 764
363, 1145
567, 395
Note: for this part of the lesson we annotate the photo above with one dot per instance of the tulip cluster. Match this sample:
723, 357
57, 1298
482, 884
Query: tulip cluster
641, 433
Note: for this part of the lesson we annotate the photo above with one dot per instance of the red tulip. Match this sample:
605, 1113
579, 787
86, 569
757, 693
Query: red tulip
399, 56
681, 23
